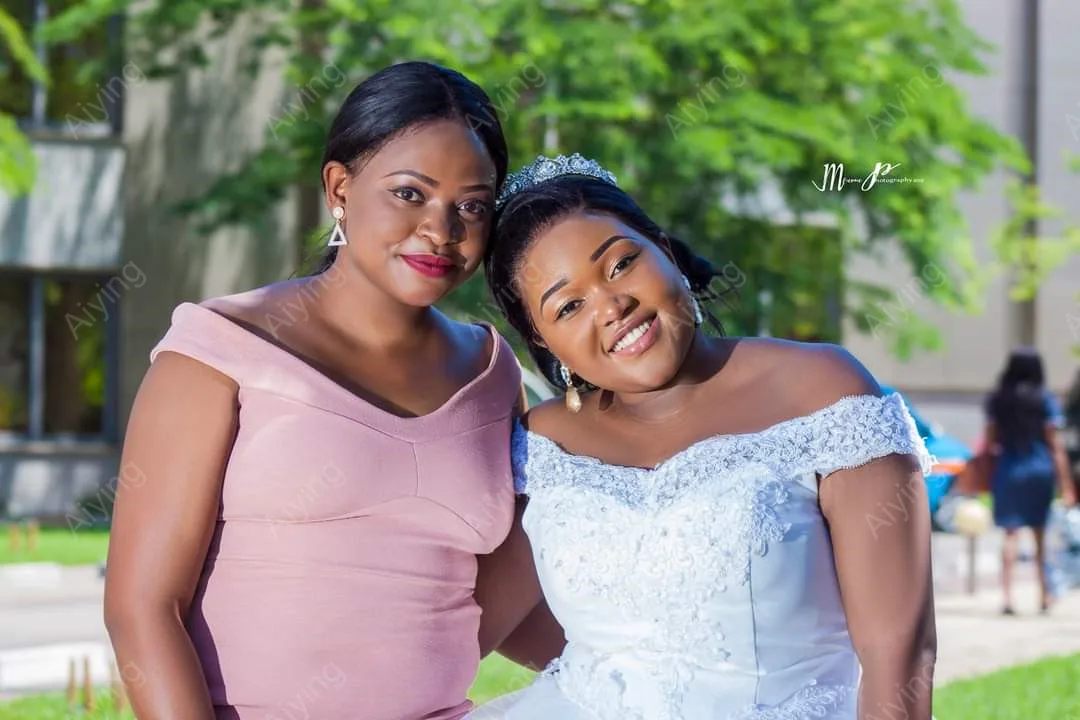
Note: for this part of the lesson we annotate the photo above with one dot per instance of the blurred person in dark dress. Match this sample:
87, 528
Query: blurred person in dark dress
1023, 420
1072, 431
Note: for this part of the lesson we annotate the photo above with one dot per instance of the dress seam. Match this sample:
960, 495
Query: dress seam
416, 468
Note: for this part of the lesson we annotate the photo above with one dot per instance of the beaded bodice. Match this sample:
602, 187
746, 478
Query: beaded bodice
704, 587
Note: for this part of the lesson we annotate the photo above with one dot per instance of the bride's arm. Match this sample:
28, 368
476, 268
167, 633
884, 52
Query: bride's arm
879, 520
537, 641
516, 620
873, 497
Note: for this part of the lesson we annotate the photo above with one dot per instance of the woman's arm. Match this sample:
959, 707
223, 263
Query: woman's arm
179, 437
1061, 465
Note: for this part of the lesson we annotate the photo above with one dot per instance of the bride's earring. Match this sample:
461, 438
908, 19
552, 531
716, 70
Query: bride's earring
573, 397
698, 317
337, 237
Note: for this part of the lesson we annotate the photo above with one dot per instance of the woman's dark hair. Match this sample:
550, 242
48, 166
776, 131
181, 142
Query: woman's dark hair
400, 98
1017, 407
530, 212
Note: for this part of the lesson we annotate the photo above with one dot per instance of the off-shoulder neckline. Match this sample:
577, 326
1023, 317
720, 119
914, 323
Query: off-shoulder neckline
840, 405
301, 362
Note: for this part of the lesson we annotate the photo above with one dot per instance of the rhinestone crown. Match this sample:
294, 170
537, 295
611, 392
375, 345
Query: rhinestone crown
543, 169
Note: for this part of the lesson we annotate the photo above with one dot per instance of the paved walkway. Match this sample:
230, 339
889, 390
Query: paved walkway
46, 606
974, 638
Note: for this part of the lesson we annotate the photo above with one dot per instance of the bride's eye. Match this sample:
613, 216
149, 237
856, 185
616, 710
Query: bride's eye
624, 263
566, 309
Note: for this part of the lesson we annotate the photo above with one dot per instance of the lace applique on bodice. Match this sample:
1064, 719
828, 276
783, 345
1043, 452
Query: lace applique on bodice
711, 570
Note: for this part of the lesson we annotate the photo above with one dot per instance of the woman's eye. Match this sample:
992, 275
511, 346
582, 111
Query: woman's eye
567, 309
475, 207
408, 194
623, 264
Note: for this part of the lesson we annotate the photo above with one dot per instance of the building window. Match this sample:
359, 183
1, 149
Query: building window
14, 355
86, 77
58, 354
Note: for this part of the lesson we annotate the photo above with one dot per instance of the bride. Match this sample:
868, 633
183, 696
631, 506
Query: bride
705, 513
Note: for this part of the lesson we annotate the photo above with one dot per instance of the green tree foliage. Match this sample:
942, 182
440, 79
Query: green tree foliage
1031, 258
17, 163
720, 117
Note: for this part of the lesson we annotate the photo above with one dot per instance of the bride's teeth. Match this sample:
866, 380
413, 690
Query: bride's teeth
632, 336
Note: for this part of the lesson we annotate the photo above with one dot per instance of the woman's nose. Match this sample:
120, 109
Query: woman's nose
442, 227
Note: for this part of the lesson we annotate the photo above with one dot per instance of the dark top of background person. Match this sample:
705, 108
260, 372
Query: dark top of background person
1018, 405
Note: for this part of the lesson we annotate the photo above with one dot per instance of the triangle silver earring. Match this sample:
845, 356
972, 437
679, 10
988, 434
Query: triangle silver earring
337, 236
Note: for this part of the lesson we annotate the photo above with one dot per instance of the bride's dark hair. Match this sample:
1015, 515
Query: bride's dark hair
530, 212
403, 97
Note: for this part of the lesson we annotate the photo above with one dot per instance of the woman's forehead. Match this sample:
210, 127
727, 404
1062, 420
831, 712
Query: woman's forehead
446, 150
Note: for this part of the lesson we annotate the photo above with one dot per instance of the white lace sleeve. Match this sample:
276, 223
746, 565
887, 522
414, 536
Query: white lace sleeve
862, 428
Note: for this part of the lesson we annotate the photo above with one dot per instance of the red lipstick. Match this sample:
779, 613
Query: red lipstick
431, 266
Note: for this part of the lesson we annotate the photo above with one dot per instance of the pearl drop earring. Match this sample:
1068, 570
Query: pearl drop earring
698, 317
573, 397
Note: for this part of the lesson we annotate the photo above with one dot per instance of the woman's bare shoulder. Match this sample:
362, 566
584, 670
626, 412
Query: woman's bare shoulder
258, 306
477, 337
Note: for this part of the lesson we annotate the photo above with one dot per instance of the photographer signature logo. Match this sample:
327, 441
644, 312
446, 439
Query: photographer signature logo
835, 180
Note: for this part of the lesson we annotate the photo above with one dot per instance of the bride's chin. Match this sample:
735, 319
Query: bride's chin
662, 374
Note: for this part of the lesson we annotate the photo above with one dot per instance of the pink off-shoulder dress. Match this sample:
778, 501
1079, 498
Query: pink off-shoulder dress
339, 582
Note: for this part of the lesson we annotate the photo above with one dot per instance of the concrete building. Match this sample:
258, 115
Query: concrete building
950, 385
96, 250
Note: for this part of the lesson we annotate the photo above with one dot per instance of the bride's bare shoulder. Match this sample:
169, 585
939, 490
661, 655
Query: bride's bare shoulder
808, 376
548, 417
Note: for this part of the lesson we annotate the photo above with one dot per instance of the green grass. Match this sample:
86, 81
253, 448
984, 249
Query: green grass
57, 545
54, 707
1045, 690
498, 676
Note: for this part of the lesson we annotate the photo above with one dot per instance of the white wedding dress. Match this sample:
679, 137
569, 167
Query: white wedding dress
705, 588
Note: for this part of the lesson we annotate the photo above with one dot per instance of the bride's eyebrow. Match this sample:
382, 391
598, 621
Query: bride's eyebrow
601, 248
605, 245
551, 291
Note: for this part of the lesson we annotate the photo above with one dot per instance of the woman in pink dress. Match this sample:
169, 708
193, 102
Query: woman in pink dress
326, 456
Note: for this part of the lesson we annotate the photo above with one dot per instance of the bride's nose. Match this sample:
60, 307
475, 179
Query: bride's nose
616, 306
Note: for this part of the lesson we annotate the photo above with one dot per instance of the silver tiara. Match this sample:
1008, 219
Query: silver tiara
543, 169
